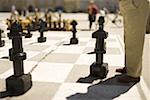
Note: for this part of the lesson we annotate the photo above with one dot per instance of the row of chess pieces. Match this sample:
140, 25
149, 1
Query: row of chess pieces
57, 24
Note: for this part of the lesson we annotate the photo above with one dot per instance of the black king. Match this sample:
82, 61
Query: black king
99, 69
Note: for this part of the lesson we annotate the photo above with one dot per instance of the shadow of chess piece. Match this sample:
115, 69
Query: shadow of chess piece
74, 40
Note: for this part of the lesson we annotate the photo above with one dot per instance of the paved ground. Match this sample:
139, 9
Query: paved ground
60, 66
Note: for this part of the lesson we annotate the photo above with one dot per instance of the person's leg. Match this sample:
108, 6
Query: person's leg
148, 24
90, 21
135, 18
90, 25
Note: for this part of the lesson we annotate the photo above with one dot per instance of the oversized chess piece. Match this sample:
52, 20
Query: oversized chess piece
99, 68
28, 35
50, 22
33, 26
74, 40
55, 25
43, 26
59, 20
64, 26
48, 19
2, 42
19, 83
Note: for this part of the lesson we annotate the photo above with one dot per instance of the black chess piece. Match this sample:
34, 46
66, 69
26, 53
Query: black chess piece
54, 25
33, 26
59, 25
114, 21
99, 68
64, 26
50, 22
2, 42
28, 35
48, 18
43, 26
59, 20
74, 40
19, 83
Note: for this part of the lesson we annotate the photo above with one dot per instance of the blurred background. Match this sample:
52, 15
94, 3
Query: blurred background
65, 5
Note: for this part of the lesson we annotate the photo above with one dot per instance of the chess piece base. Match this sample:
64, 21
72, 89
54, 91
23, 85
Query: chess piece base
18, 85
28, 35
100, 71
41, 39
73, 41
2, 43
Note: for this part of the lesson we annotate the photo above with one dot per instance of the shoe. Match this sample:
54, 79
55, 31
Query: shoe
128, 79
122, 70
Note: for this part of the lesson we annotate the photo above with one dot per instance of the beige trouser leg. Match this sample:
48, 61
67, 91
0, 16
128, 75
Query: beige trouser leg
135, 13
148, 23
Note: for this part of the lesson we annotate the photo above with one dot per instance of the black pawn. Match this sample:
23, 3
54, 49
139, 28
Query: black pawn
50, 22
28, 35
54, 25
74, 40
19, 83
59, 21
2, 42
43, 26
99, 69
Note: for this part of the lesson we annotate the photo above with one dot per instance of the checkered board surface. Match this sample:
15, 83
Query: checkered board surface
56, 67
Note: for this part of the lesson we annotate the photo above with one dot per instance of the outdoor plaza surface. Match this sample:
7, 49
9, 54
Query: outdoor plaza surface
56, 68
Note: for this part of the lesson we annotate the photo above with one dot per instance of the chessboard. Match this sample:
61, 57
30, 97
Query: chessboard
56, 66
